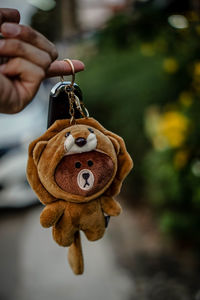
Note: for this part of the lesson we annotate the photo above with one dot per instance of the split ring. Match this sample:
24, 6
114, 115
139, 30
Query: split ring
67, 60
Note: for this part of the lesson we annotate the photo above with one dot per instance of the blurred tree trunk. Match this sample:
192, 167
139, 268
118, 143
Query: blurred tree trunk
69, 18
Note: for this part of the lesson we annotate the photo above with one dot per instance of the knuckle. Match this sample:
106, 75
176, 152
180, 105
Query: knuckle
41, 74
28, 32
17, 62
54, 52
47, 60
17, 14
18, 46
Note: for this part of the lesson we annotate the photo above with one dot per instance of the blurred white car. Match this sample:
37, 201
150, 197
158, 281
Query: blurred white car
17, 131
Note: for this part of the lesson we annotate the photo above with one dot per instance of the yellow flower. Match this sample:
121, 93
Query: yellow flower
174, 127
180, 159
186, 99
167, 130
147, 49
170, 65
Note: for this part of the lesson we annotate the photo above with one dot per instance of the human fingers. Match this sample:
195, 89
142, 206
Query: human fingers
59, 68
29, 35
9, 15
26, 78
17, 48
8, 94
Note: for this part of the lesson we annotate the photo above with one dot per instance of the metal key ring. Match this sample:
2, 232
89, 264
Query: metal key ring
67, 60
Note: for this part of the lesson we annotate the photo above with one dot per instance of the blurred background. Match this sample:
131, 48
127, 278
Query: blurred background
142, 80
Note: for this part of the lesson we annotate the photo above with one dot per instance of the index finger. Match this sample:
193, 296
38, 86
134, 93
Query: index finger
61, 68
9, 15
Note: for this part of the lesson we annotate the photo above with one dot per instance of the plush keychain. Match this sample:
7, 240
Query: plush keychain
76, 168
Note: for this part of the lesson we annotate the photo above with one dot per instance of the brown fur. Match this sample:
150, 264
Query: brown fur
52, 173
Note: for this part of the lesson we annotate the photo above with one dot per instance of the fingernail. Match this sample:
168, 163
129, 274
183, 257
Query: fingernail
10, 29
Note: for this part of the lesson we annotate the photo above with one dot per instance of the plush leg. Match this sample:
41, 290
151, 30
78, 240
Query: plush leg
95, 228
110, 206
64, 230
95, 233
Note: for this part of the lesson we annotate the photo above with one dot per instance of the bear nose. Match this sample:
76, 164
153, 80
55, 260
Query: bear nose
86, 176
80, 141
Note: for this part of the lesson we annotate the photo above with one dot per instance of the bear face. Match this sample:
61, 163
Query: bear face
84, 173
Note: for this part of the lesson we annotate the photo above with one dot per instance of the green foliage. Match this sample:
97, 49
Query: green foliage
118, 86
161, 176
146, 72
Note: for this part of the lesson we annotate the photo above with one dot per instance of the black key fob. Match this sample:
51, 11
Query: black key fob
107, 220
59, 102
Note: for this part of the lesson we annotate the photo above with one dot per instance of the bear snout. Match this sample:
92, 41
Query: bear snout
86, 176
80, 141
85, 179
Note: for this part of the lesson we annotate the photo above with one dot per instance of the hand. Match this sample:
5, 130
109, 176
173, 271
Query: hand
31, 59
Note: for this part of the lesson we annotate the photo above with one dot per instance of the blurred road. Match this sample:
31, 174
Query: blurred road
33, 266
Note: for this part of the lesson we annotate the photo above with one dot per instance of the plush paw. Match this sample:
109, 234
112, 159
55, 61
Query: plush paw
51, 214
110, 206
47, 219
115, 209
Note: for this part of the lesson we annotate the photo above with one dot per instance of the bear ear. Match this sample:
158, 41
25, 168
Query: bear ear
37, 151
115, 144
37, 147
124, 163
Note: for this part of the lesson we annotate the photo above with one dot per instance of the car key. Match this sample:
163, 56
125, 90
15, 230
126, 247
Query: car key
59, 102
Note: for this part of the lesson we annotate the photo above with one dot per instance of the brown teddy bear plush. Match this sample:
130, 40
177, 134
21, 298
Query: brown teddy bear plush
75, 171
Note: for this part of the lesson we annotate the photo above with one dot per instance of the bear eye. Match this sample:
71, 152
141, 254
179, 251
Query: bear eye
91, 130
90, 163
77, 165
67, 133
